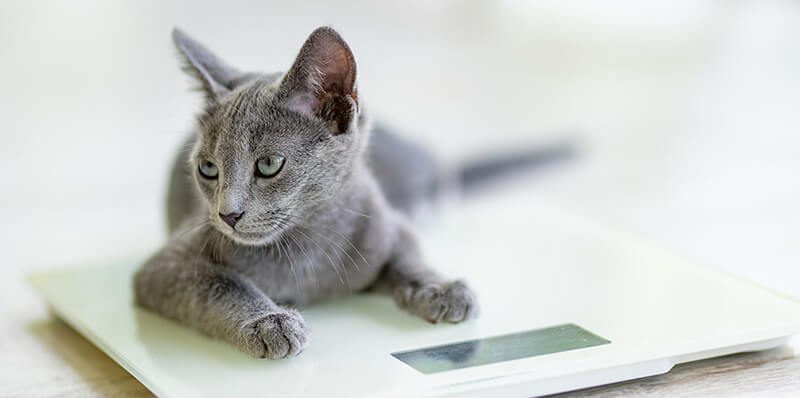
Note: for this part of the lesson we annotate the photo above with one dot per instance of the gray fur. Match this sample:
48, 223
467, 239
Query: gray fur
321, 227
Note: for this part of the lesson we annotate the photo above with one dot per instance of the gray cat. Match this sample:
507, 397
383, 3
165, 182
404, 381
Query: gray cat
279, 201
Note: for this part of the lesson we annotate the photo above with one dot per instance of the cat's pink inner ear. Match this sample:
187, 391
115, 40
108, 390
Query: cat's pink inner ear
335, 70
305, 102
326, 73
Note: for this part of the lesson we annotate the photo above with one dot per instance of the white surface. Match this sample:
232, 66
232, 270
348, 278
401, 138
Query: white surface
539, 268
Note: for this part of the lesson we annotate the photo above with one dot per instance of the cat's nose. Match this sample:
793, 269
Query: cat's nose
231, 218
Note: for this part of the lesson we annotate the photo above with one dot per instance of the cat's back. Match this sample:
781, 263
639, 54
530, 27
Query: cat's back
408, 174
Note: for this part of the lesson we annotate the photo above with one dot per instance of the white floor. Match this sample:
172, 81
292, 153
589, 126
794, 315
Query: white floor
687, 112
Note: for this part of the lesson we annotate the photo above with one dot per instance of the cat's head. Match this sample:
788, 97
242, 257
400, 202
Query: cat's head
272, 148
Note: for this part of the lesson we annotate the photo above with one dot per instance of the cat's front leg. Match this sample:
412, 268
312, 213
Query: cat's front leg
420, 290
219, 302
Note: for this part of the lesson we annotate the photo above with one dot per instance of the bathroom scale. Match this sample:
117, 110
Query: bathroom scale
566, 304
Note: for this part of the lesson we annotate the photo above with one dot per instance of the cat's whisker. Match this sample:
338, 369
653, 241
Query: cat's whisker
311, 264
309, 259
329, 239
349, 242
355, 212
346, 280
309, 272
279, 244
341, 250
333, 265
204, 222
278, 247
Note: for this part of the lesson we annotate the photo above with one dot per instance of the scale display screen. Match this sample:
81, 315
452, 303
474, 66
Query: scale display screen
495, 349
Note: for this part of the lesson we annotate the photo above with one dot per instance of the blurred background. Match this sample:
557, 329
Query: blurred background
687, 113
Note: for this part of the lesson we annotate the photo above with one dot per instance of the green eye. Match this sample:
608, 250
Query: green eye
269, 166
208, 170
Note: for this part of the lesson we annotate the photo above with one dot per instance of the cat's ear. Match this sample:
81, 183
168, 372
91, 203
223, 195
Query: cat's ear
322, 81
216, 78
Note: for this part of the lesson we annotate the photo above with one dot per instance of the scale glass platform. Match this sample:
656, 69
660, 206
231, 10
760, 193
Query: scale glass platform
566, 304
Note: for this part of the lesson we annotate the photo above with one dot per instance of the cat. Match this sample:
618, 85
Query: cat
282, 197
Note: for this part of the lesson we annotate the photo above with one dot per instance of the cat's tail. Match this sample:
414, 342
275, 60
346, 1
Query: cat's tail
410, 175
489, 169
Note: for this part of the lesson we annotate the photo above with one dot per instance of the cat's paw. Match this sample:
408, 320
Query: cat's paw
277, 335
451, 302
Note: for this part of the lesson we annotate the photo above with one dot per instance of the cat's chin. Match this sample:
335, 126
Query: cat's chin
251, 238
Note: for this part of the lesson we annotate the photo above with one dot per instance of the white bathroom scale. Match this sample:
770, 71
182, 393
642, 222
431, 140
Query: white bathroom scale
566, 304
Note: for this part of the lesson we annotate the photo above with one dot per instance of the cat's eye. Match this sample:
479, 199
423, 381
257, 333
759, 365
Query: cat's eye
208, 169
269, 166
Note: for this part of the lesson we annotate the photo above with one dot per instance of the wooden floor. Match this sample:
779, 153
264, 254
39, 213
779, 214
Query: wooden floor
767, 373
686, 112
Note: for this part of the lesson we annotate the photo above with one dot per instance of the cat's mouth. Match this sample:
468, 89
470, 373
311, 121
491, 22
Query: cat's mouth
249, 236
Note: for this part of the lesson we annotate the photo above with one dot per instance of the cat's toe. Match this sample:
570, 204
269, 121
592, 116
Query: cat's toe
281, 335
461, 303
453, 302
